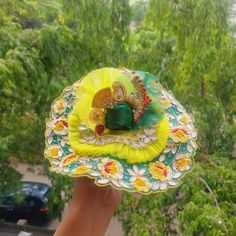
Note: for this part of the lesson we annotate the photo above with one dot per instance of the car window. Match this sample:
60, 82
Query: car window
23, 202
13, 200
7, 201
46, 197
35, 189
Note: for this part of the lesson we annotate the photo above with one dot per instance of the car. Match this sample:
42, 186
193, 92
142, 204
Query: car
33, 207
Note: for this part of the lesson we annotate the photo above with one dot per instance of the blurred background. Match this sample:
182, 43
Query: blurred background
190, 45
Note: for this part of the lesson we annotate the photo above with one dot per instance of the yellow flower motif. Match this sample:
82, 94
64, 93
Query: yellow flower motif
68, 160
183, 163
60, 126
53, 152
111, 169
81, 170
60, 105
141, 184
160, 171
165, 102
180, 135
184, 119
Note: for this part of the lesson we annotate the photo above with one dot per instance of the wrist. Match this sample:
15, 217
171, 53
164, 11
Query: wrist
89, 207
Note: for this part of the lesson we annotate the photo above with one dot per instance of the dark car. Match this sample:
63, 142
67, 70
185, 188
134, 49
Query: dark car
32, 207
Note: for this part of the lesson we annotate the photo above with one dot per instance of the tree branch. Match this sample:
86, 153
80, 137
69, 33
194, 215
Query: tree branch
214, 197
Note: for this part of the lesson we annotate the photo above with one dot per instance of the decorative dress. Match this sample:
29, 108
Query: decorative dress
121, 128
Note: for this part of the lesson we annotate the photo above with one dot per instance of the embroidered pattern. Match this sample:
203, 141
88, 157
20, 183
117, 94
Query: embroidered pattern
180, 135
161, 173
138, 140
81, 170
111, 169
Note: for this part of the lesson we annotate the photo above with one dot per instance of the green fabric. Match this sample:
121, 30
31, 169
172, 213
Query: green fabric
154, 111
119, 117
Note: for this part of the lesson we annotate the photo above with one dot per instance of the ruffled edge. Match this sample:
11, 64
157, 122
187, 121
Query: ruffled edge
60, 170
123, 151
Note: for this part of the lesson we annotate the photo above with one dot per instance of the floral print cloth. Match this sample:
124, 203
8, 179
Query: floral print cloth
160, 173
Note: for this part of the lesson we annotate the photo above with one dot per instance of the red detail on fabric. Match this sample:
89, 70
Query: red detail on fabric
106, 166
159, 167
100, 129
165, 173
69, 158
175, 130
64, 122
145, 97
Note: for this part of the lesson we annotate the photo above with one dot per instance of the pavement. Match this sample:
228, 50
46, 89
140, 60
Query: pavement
35, 173
17, 232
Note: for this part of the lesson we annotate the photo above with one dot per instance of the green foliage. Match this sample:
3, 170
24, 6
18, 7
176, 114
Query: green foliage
195, 51
137, 211
47, 45
7, 172
209, 206
204, 205
103, 29
189, 44
138, 11
60, 193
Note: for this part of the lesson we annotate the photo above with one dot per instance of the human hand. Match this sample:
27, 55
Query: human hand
91, 209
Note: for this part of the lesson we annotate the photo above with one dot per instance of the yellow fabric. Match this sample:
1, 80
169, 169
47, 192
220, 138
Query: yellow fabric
80, 115
91, 84
120, 150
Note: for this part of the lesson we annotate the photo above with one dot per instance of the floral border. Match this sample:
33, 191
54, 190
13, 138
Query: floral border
158, 175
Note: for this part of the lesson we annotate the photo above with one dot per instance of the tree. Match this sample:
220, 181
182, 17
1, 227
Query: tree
45, 46
189, 44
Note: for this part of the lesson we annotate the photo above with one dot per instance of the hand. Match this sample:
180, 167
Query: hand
91, 209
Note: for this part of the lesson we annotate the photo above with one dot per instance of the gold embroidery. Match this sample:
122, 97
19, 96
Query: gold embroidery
97, 116
101, 97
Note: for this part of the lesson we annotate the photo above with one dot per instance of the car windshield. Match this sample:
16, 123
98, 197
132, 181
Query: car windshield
28, 190
46, 197
35, 189
16, 199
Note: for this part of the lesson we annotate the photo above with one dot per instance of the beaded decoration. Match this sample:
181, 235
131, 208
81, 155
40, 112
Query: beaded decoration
108, 97
150, 158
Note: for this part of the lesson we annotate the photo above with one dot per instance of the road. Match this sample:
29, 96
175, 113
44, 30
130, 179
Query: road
7, 231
